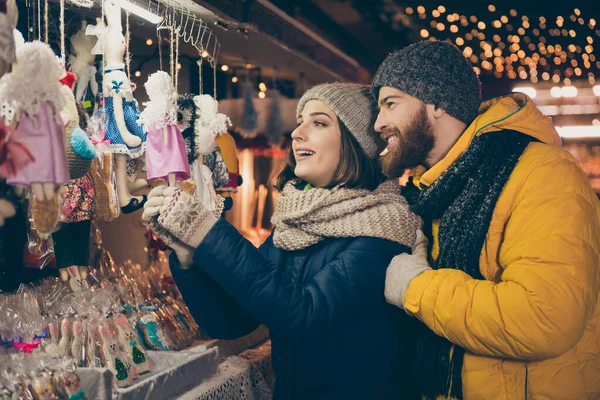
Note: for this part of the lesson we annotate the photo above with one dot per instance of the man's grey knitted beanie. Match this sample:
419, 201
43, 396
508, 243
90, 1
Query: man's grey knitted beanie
436, 73
355, 107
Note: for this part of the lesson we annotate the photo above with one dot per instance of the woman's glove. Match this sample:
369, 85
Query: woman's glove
180, 214
403, 269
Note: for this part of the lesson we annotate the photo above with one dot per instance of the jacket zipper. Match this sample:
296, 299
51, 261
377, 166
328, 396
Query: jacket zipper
526, 382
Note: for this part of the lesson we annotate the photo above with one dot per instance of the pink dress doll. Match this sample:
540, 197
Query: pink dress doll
34, 87
166, 154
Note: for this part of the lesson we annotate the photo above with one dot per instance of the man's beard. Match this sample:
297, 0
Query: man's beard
412, 146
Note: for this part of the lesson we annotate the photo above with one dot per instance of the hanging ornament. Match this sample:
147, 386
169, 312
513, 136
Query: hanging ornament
249, 116
8, 22
81, 63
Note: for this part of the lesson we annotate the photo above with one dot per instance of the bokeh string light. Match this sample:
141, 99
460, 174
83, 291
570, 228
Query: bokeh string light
505, 43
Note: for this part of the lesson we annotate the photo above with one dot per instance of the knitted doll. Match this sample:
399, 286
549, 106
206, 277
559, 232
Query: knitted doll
166, 156
81, 63
120, 114
34, 87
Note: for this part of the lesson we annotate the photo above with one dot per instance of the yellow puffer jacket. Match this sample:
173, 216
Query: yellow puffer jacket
532, 329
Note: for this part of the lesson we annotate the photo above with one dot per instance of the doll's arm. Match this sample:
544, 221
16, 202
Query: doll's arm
166, 136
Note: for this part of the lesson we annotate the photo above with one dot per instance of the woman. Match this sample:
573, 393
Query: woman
318, 282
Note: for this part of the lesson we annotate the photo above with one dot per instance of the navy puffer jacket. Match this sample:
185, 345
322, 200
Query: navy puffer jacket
333, 335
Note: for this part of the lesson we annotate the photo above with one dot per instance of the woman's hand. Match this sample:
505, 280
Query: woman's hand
180, 214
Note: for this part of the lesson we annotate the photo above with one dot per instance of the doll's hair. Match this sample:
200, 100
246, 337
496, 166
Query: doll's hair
159, 85
161, 110
37, 64
34, 78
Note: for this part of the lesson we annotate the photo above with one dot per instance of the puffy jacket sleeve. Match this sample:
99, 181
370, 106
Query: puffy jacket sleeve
352, 281
217, 314
549, 284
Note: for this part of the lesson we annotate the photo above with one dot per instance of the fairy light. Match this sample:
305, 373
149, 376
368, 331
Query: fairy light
224, 68
492, 44
261, 95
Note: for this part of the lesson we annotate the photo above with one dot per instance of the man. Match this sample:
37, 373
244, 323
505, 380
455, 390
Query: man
511, 295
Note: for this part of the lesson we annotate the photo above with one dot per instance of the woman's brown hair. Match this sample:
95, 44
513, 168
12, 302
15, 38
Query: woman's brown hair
355, 170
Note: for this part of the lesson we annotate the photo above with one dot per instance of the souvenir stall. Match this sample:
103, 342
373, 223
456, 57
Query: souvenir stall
77, 151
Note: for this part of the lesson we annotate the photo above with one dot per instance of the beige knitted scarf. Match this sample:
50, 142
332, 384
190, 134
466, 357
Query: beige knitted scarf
305, 217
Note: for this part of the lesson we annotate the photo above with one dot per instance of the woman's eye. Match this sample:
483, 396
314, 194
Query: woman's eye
317, 123
390, 104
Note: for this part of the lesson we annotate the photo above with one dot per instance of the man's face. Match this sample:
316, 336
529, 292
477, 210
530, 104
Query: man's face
403, 123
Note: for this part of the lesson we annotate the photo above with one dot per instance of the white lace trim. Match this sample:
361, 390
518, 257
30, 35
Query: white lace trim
122, 149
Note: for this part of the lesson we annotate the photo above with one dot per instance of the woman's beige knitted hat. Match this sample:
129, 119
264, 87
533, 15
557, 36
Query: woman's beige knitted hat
355, 107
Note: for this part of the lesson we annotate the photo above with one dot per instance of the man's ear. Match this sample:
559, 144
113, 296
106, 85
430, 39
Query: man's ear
438, 112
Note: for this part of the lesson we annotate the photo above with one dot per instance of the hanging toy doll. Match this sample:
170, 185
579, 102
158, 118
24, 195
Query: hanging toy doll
166, 156
34, 87
207, 126
81, 63
120, 114
71, 241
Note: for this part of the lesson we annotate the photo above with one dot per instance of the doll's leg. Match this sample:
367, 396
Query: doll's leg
136, 185
64, 274
49, 191
38, 191
127, 202
172, 179
121, 172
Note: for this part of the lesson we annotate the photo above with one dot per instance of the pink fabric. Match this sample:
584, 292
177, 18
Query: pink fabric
44, 138
162, 160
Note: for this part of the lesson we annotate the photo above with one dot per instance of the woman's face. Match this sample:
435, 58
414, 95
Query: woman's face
317, 144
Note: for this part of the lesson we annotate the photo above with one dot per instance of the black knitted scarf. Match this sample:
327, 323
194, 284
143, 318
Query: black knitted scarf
463, 200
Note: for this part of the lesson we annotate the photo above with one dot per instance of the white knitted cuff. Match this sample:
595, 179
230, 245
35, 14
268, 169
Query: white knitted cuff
187, 219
